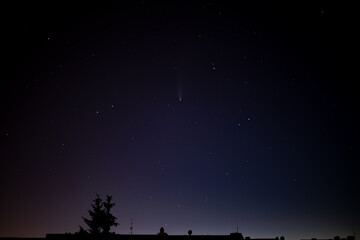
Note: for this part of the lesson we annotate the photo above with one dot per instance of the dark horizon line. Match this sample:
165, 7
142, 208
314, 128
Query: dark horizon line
234, 235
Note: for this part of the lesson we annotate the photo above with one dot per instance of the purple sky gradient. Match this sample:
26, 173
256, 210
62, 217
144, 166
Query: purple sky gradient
263, 138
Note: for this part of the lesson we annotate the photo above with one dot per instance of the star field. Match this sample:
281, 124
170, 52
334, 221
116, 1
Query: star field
205, 116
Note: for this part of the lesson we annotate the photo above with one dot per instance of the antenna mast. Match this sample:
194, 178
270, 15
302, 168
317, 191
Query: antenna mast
131, 226
354, 231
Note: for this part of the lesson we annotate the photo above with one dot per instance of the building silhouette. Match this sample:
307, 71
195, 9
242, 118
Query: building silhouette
335, 238
161, 235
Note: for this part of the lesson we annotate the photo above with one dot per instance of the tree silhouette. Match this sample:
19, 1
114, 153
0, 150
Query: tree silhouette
101, 219
109, 220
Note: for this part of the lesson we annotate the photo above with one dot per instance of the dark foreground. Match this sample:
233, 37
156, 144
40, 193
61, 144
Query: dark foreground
235, 236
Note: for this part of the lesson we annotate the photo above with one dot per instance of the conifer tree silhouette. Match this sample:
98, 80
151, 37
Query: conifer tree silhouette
109, 219
101, 219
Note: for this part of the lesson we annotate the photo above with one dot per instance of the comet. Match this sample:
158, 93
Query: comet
179, 88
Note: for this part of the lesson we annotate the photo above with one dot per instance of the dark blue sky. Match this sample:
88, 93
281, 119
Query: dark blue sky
205, 116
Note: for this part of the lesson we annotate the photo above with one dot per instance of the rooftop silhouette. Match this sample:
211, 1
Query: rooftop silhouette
160, 235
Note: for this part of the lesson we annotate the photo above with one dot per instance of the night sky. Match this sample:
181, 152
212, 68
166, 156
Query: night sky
207, 116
